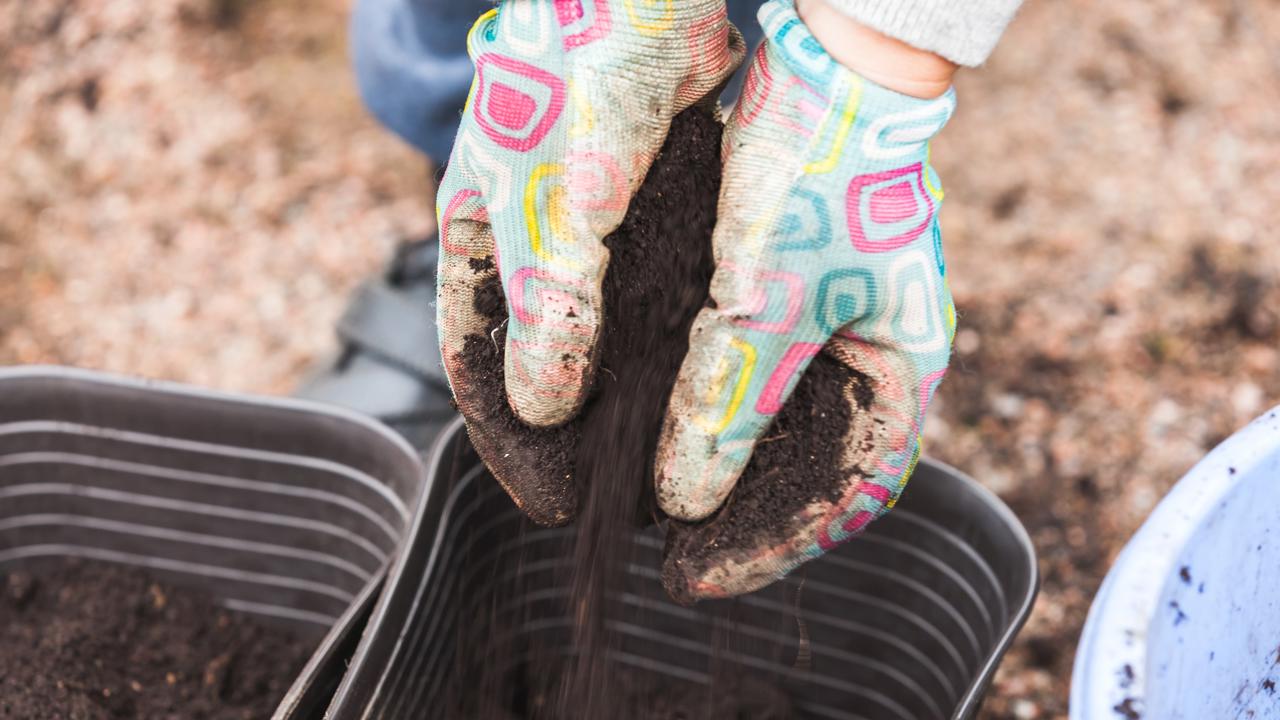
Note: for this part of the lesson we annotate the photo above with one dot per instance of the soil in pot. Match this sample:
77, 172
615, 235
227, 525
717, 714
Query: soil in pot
85, 640
657, 281
642, 695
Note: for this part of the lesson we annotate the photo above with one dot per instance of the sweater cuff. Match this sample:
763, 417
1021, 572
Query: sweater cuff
962, 31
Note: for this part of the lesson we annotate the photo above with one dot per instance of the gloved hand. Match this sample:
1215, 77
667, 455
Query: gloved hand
571, 101
827, 242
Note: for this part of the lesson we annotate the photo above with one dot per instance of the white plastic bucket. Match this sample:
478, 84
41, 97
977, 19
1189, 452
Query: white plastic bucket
1186, 625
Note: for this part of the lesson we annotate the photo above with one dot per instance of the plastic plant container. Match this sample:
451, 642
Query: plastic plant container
908, 622
276, 508
1186, 625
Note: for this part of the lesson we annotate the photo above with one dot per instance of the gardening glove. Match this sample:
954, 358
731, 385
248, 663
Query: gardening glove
827, 252
571, 101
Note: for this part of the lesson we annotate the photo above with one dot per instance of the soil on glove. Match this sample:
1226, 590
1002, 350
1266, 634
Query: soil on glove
89, 640
799, 461
657, 281
658, 277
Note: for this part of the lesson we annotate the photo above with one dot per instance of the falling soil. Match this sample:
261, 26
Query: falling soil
658, 277
657, 281
84, 641
799, 461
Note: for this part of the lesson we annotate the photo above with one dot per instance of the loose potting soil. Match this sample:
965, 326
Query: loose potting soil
657, 281
86, 640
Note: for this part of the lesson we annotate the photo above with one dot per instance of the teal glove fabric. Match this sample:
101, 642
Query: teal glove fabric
571, 101
827, 242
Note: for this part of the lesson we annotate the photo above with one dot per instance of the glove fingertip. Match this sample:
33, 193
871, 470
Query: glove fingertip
546, 387
694, 473
695, 569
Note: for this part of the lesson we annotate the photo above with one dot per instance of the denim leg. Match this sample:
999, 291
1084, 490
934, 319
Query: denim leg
412, 67
742, 13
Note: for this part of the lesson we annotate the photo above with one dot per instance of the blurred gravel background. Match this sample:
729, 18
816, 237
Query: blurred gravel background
189, 188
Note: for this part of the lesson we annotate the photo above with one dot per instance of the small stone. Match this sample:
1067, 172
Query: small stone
1247, 398
20, 587
158, 599
968, 341
1007, 405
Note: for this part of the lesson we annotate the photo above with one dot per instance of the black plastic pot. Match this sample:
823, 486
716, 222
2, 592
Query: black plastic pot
284, 510
908, 622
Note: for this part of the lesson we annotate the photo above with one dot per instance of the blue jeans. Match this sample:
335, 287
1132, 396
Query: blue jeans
413, 71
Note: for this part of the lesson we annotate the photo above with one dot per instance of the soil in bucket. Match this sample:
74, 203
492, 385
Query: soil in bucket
657, 281
87, 640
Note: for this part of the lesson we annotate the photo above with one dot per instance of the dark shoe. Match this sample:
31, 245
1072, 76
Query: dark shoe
389, 363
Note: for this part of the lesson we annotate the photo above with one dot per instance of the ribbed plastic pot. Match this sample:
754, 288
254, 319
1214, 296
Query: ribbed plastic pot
908, 622
280, 509
1186, 625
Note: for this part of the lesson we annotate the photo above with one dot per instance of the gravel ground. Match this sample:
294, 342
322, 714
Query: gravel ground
188, 189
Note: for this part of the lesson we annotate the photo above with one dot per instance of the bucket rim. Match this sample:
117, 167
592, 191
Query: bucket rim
1110, 666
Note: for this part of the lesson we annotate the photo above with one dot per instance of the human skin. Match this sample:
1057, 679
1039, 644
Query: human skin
875, 56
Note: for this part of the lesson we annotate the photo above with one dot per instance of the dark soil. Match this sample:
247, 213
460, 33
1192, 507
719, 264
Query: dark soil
657, 281
519, 456
659, 272
799, 461
92, 640
651, 697
744, 698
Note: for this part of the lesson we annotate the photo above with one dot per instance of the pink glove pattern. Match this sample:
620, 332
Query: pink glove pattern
571, 101
827, 242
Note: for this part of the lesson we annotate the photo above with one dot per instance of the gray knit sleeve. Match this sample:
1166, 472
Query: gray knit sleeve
963, 31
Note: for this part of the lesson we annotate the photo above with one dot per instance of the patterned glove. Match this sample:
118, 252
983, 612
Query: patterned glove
571, 101
827, 246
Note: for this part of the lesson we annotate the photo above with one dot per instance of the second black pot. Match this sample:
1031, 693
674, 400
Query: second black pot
908, 622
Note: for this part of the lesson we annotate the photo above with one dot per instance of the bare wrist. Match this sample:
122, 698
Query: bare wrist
875, 56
